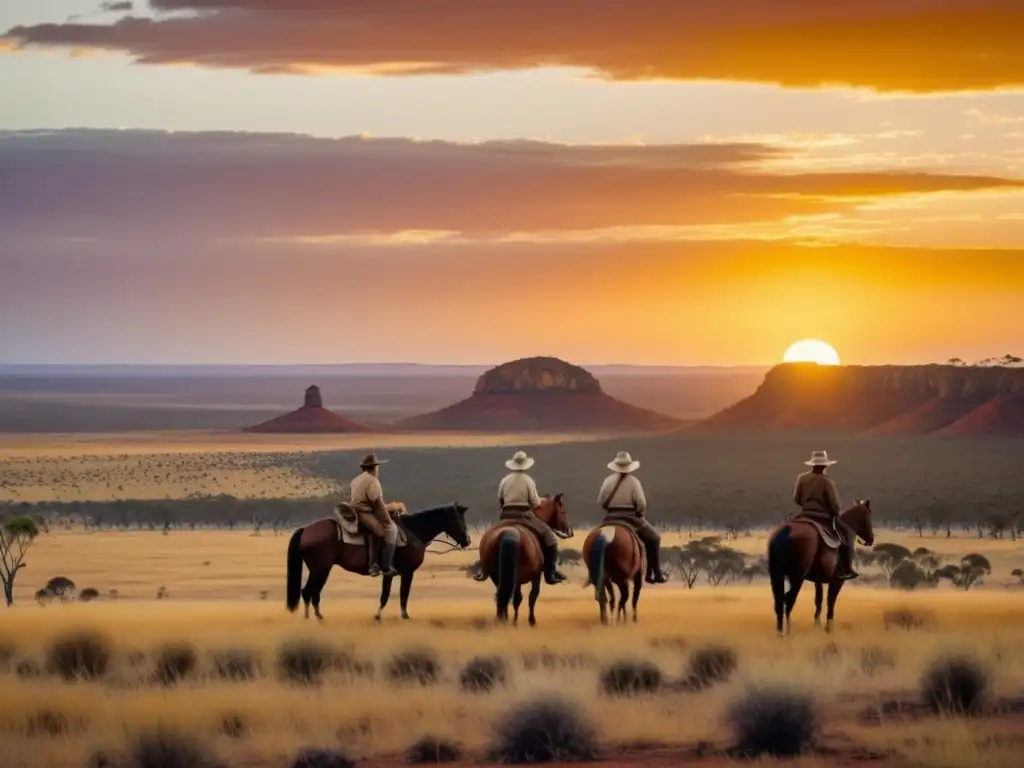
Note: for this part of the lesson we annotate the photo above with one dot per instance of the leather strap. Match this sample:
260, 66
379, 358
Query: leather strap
615, 489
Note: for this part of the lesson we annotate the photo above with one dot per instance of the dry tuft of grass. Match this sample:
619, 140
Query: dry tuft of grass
907, 619
80, 656
174, 663
956, 685
420, 666
711, 665
431, 750
236, 665
168, 749
544, 730
304, 662
483, 674
773, 722
315, 757
631, 677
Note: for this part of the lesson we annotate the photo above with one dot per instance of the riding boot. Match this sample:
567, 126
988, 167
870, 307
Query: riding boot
373, 565
846, 561
387, 560
551, 573
654, 574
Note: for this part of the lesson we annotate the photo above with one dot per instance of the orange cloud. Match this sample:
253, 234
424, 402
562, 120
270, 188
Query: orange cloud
888, 45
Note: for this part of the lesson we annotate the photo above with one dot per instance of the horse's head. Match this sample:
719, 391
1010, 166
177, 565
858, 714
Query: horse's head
455, 525
858, 517
553, 512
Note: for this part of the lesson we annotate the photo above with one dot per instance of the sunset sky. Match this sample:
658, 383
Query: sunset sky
469, 181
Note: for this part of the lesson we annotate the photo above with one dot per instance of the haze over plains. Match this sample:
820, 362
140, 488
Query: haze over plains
202, 181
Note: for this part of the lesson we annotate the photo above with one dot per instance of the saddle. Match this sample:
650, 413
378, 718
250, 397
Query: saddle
350, 531
631, 529
827, 531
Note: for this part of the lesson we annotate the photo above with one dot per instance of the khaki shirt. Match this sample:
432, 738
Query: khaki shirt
630, 494
367, 494
517, 490
816, 492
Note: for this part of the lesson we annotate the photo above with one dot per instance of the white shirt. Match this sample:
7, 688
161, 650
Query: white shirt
517, 489
630, 493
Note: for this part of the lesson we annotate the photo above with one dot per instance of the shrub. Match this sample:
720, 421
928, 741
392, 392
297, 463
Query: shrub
904, 618
304, 661
322, 758
237, 665
79, 656
955, 685
775, 722
174, 663
711, 665
88, 594
27, 669
909, 575
167, 749
544, 730
44, 596
61, 587
631, 678
431, 750
481, 674
417, 665
873, 660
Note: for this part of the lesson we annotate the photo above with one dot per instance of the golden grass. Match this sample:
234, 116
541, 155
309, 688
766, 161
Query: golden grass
373, 716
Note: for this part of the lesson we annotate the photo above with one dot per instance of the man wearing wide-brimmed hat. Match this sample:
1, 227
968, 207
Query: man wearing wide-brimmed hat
623, 500
518, 497
367, 498
817, 496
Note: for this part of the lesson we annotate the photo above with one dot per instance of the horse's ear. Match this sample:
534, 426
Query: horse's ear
558, 497
867, 502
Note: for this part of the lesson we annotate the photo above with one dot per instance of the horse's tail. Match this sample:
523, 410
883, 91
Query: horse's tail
595, 564
778, 552
508, 566
293, 588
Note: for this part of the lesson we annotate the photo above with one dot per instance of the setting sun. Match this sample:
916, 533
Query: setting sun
811, 351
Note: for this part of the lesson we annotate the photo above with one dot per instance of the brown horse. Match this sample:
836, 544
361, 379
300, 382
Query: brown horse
797, 552
318, 545
614, 557
510, 556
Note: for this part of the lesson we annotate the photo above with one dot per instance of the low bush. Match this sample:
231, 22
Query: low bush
174, 663
773, 722
322, 758
417, 665
631, 678
482, 674
544, 730
711, 665
79, 656
431, 750
956, 685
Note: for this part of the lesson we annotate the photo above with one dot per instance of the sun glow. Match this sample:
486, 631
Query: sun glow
811, 351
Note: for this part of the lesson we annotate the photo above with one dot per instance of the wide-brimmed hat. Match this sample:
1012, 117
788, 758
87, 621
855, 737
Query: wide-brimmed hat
371, 460
819, 459
623, 463
520, 462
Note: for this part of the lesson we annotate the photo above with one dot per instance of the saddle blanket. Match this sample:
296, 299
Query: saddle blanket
350, 532
608, 531
827, 533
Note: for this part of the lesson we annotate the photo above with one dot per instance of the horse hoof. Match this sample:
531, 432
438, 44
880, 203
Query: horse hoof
405, 616
828, 627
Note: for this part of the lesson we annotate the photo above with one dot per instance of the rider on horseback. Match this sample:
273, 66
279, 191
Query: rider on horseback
817, 496
622, 498
375, 516
518, 498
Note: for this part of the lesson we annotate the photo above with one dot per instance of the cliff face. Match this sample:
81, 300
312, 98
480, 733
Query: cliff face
311, 418
894, 400
541, 394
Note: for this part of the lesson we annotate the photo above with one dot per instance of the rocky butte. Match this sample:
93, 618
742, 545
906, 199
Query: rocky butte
541, 394
967, 401
311, 418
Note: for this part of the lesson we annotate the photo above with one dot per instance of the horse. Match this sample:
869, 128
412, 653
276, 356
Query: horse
319, 546
510, 556
796, 551
615, 557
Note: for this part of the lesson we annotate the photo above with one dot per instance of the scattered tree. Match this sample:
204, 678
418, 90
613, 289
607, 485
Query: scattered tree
16, 536
971, 571
1018, 573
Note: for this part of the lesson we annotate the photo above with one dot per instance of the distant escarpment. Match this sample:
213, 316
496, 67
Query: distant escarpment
541, 394
311, 418
968, 401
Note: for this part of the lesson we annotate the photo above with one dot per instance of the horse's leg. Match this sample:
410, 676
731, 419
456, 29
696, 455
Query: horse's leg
638, 582
833, 593
818, 596
385, 595
534, 594
404, 588
306, 597
315, 585
602, 602
620, 613
791, 596
517, 600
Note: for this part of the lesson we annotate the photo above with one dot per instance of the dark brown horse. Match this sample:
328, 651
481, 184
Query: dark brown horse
615, 558
510, 556
797, 552
319, 547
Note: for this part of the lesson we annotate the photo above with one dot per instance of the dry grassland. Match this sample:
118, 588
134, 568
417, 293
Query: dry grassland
215, 579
